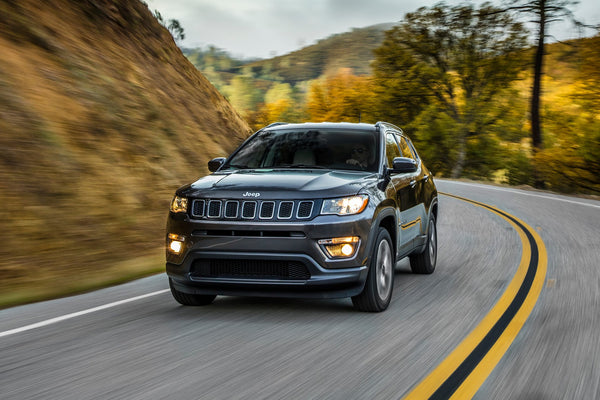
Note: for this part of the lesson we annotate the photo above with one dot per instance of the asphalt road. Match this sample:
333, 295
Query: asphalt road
110, 344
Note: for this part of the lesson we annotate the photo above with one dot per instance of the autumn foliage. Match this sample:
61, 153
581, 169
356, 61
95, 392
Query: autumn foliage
458, 80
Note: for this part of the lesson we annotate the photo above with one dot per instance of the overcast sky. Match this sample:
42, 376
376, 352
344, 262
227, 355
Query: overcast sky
265, 28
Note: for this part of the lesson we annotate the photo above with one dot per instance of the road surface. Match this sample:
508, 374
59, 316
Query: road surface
134, 341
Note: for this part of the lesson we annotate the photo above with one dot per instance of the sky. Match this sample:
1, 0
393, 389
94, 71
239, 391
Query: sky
266, 28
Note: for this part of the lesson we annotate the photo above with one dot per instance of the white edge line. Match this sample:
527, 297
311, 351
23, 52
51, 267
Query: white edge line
481, 185
77, 314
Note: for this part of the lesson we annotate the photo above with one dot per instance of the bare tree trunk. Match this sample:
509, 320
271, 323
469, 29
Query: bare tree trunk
459, 165
536, 130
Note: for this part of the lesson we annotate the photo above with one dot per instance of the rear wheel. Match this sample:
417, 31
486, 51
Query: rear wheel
424, 263
190, 299
377, 294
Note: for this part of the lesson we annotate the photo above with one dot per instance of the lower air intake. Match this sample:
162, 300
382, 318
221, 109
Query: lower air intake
250, 269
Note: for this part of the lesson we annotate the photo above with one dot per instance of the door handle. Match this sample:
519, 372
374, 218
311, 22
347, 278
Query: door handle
413, 183
426, 178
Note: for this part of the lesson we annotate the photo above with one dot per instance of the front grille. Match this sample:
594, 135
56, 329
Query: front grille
198, 208
214, 209
249, 209
267, 209
256, 210
250, 269
285, 210
231, 209
304, 209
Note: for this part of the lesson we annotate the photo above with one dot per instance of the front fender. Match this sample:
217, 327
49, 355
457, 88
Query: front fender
386, 216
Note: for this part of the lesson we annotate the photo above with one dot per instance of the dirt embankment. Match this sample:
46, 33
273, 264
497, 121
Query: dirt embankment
101, 119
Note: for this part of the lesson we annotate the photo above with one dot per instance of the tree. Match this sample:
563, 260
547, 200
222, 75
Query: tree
544, 13
589, 73
458, 59
400, 94
176, 30
243, 94
172, 25
341, 97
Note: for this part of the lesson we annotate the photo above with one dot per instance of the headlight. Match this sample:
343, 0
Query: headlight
345, 205
179, 204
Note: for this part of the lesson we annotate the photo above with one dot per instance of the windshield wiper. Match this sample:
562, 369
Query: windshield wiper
306, 166
237, 166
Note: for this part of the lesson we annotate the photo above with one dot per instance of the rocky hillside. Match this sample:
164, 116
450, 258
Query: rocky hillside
101, 119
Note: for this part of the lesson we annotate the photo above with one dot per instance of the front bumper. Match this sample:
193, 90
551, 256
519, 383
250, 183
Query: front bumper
322, 283
280, 245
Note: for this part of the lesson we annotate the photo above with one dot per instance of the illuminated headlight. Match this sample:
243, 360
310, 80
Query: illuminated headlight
345, 205
179, 204
175, 243
340, 247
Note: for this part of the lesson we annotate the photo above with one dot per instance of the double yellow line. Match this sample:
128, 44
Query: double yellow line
462, 373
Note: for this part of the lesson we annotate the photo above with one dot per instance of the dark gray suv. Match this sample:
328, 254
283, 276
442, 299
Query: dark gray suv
315, 210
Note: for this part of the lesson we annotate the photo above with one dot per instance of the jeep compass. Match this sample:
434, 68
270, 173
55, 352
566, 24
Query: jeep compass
314, 210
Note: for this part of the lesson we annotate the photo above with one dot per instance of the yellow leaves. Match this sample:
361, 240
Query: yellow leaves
279, 105
276, 110
341, 97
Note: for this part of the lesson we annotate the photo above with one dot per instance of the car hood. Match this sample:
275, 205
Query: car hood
278, 184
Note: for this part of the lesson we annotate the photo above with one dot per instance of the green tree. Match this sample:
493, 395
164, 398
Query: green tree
459, 58
243, 94
172, 25
279, 91
400, 93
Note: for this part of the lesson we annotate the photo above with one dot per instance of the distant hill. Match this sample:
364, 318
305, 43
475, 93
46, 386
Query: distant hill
101, 119
352, 49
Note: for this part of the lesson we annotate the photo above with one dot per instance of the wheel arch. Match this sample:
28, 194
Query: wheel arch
387, 219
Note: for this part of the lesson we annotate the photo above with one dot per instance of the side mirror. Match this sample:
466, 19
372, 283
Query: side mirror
215, 163
402, 165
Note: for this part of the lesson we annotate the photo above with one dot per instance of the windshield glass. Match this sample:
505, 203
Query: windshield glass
332, 149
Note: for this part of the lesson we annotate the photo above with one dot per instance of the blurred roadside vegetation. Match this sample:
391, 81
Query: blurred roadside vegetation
457, 79
101, 119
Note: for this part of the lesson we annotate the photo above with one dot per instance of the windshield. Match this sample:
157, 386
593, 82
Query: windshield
331, 149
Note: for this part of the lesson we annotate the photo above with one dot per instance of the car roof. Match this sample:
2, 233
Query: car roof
323, 125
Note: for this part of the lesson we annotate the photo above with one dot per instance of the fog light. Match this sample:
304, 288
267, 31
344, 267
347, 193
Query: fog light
176, 246
175, 243
340, 247
347, 249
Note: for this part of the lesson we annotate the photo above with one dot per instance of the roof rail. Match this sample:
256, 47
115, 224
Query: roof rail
388, 125
276, 123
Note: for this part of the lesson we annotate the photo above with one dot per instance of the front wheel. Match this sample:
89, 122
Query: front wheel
424, 263
377, 294
190, 299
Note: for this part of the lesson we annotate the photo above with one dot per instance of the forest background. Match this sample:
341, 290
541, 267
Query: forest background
457, 79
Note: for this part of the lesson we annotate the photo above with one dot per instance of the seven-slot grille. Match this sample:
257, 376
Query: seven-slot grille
283, 210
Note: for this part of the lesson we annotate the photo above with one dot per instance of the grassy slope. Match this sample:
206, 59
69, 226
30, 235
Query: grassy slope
101, 119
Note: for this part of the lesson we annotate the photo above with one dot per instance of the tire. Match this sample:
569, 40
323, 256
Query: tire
424, 263
377, 293
190, 299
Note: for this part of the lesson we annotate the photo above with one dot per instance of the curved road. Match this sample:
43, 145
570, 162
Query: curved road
135, 342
